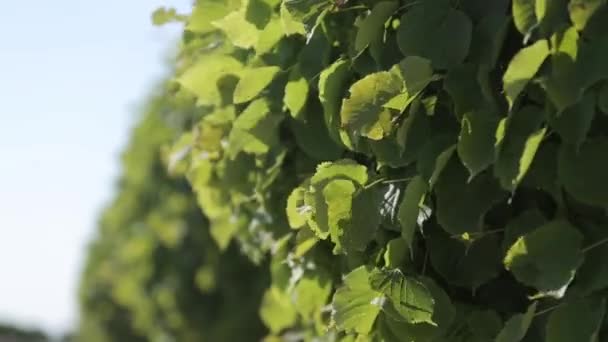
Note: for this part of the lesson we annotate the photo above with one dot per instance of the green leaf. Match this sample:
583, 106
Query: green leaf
477, 139
332, 86
521, 225
269, 37
363, 113
290, 25
517, 326
563, 85
547, 257
522, 68
602, 98
305, 241
365, 221
307, 12
296, 208
205, 12
524, 15
255, 130
277, 311
464, 89
372, 27
575, 122
243, 27
393, 330
312, 136
435, 21
582, 10
416, 73
345, 169
592, 276
223, 230
396, 253
253, 81
409, 210
202, 77
338, 196
318, 217
164, 15
296, 93
356, 305
461, 205
311, 294
580, 320
408, 299
583, 172
517, 145
462, 265
413, 134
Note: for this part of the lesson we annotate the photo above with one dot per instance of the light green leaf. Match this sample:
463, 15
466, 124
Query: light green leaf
223, 229
372, 27
547, 257
435, 21
306, 12
253, 81
206, 12
408, 299
356, 305
290, 25
580, 320
243, 27
338, 196
583, 172
524, 15
269, 37
409, 210
582, 10
311, 294
277, 312
517, 145
255, 130
363, 113
522, 68
296, 93
296, 208
344, 169
164, 15
517, 326
202, 77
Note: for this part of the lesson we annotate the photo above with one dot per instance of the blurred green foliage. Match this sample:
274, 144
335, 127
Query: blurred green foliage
153, 272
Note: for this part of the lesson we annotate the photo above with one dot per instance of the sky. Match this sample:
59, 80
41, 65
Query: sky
72, 74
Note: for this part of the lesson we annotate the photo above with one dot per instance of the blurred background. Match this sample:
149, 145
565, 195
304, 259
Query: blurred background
73, 79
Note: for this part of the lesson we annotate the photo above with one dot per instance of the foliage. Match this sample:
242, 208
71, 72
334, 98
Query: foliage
154, 272
416, 170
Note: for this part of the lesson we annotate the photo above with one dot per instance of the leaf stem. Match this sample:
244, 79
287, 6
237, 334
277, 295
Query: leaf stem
594, 245
549, 309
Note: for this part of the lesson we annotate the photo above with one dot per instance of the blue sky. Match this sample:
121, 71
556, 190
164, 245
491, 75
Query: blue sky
72, 73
